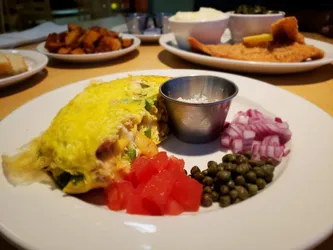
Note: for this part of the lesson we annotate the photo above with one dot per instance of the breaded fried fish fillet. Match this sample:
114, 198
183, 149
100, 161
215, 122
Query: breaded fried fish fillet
288, 46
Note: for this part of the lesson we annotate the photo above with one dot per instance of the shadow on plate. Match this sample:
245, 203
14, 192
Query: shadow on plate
53, 63
321, 74
173, 145
24, 84
94, 197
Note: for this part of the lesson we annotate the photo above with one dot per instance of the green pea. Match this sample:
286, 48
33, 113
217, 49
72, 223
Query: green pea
208, 181
195, 170
253, 189
251, 177
205, 172
211, 164
199, 176
233, 158
240, 180
220, 167
233, 194
242, 192
269, 178
242, 168
259, 172
261, 183
270, 161
230, 167
226, 157
215, 196
241, 159
248, 155
237, 200
253, 163
224, 176
212, 170
207, 189
224, 189
225, 201
206, 200
268, 169
231, 184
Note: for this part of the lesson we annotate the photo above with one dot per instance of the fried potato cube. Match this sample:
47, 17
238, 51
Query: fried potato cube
62, 36
90, 37
78, 51
125, 43
104, 31
111, 43
64, 50
74, 27
72, 37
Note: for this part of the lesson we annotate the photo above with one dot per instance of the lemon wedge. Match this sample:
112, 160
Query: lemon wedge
257, 39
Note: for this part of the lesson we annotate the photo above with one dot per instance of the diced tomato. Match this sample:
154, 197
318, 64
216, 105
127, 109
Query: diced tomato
135, 205
117, 195
176, 167
143, 169
132, 178
157, 191
187, 192
175, 163
173, 208
160, 160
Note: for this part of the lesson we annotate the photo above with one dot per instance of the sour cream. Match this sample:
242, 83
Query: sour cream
204, 14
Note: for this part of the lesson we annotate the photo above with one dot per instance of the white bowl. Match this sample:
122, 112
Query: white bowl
207, 32
242, 25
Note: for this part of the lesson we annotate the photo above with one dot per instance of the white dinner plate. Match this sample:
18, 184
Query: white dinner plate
91, 57
35, 61
294, 212
169, 43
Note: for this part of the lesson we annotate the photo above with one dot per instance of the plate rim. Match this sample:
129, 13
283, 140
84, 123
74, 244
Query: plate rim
165, 38
24, 75
91, 57
311, 242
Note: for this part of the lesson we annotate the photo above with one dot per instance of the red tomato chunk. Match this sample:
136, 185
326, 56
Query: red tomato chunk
155, 186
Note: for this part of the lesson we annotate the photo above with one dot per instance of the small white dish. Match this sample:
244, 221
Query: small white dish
35, 61
294, 212
207, 32
169, 43
148, 37
242, 25
91, 57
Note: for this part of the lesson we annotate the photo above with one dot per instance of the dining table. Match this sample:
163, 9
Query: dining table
316, 86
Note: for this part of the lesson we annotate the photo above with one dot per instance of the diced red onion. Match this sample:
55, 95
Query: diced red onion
237, 145
252, 131
225, 140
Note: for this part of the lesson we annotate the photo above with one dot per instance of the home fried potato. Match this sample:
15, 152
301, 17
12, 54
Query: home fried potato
72, 37
78, 51
108, 43
79, 41
64, 50
125, 43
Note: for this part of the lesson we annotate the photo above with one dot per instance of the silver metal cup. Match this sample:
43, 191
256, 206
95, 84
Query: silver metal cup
198, 122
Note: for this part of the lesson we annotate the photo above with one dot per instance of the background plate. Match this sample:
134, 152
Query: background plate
36, 62
169, 43
91, 57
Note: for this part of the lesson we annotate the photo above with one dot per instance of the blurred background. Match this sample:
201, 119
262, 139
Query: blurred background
16, 15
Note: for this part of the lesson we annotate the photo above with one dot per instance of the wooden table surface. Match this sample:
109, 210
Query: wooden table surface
315, 86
